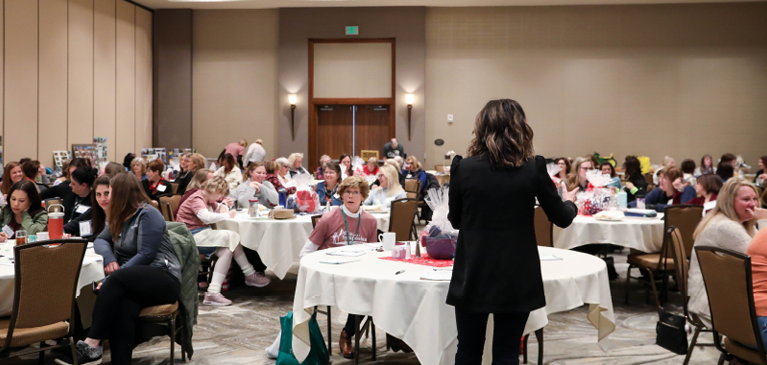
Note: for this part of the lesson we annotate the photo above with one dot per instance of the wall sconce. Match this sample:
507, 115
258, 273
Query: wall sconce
409, 99
292, 100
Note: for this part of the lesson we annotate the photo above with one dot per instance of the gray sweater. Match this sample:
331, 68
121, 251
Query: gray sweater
267, 196
144, 240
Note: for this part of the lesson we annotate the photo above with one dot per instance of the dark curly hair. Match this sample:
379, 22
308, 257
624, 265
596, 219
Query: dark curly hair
502, 134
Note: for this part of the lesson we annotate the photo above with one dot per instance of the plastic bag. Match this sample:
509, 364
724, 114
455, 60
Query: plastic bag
357, 164
553, 169
307, 200
439, 230
597, 196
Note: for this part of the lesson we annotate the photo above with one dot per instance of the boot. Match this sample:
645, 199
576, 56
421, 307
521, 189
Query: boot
345, 343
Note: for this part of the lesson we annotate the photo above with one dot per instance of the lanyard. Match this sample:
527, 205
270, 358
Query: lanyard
359, 220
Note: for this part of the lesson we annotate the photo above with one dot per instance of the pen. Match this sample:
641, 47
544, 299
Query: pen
399, 272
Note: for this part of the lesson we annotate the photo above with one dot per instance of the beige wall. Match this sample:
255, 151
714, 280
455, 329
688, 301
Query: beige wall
352, 70
682, 80
75, 69
234, 78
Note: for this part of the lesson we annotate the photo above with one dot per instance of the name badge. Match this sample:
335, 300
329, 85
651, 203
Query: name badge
85, 228
161, 188
81, 209
8, 231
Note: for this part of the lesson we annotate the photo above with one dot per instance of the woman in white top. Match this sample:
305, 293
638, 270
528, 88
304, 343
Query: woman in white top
283, 171
229, 171
295, 160
390, 188
730, 225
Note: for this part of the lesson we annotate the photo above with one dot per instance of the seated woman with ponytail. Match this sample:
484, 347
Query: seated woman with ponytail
79, 203
199, 212
24, 210
143, 271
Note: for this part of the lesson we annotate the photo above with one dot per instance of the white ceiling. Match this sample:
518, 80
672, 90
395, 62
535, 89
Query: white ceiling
271, 4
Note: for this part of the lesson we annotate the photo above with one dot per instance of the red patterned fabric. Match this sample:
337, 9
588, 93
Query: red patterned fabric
424, 260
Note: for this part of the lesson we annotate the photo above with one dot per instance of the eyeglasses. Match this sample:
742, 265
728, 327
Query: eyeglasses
353, 193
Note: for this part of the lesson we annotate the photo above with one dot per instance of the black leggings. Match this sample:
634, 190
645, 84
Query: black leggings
120, 300
506, 337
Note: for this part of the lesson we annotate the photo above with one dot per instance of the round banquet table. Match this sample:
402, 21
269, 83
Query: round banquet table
279, 241
414, 310
92, 270
643, 234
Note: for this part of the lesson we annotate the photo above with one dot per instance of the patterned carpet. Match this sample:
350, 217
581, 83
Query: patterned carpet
238, 334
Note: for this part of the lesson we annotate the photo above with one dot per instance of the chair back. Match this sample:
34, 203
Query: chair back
681, 264
544, 229
51, 202
367, 154
45, 284
315, 220
401, 218
173, 203
167, 213
727, 277
686, 219
174, 187
412, 187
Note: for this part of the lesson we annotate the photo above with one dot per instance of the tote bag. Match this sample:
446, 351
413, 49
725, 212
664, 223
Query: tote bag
318, 354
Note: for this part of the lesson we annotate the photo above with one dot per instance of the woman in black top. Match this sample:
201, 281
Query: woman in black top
63, 191
492, 202
635, 181
156, 185
79, 203
102, 192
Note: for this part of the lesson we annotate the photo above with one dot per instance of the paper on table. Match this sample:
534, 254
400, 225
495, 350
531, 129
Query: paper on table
365, 247
550, 258
345, 253
436, 274
338, 261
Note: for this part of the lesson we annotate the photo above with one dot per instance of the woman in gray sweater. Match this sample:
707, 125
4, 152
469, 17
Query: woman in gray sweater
256, 187
142, 271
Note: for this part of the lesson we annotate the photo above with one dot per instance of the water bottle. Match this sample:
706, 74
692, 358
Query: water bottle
283, 197
640, 201
622, 200
253, 209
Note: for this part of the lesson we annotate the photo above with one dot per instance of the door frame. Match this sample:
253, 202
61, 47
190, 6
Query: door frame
314, 103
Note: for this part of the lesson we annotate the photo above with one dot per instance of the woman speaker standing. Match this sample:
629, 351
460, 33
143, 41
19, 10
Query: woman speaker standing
492, 202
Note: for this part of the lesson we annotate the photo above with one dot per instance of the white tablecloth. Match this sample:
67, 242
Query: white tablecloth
279, 242
415, 310
92, 270
643, 234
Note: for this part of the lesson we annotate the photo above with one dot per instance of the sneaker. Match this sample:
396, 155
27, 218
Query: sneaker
86, 355
216, 299
258, 280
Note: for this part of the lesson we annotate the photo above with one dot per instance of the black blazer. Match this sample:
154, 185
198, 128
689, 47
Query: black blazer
497, 267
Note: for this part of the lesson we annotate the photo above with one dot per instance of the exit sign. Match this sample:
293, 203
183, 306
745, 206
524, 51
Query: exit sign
352, 30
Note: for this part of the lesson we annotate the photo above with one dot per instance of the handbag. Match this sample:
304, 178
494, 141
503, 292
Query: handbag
318, 354
670, 329
671, 334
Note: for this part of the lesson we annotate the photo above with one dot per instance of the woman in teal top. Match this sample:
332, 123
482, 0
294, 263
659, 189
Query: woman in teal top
24, 210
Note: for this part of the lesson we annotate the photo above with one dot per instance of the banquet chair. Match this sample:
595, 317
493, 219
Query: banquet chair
544, 229
172, 204
658, 263
685, 218
174, 187
50, 202
412, 187
679, 252
401, 218
539, 338
44, 295
315, 220
729, 286
165, 314
650, 184
167, 213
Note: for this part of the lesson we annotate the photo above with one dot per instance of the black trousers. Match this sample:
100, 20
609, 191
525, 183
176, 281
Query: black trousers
507, 333
255, 259
120, 300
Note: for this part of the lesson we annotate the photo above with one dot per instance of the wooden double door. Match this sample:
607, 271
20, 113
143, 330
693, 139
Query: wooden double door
349, 129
